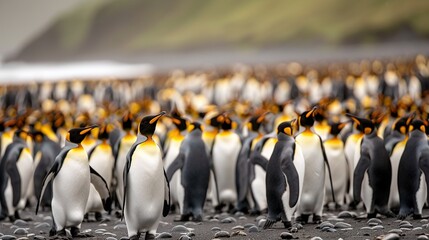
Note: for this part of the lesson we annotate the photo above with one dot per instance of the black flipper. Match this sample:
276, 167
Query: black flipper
424, 166
140, 139
167, 199
102, 188
214, 177
361, 167
15, 179
325, 158
242, 170
257, 159
292, 179
175, 165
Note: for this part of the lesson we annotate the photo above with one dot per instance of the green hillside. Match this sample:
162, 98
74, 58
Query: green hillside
127, 27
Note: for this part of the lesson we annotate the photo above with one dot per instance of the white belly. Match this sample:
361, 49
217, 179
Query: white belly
339, 171
119, 168
394, 160
225, 153
145, 191
314, 178
102, 162
26, 171
71, 190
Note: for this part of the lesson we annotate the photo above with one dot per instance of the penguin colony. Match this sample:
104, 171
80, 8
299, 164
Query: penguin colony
290, 141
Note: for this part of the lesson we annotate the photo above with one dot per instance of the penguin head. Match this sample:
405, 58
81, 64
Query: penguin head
255, 122
418, 125
286, 127
76, 135
226, 122
103, 132
364, 125
148, 124
127, 121
336, 128
306, 119
178, 120
194, 126
402, 124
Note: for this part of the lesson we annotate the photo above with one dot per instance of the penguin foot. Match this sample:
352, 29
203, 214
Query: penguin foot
269, 223
389, 214
417, 216
85, 218
98, 217
287, 224
198, 218
149, 236
371, 215
75, 232
255, 212
135, 237
118, 214
62, 234
317, 219
303, 219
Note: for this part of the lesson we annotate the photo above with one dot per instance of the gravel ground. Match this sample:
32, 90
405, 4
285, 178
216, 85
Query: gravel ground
336, 225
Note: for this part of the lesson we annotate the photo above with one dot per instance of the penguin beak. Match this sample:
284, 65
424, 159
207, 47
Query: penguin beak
410, 118
87, 130
355, 119
311, 112
157, 117
262, 117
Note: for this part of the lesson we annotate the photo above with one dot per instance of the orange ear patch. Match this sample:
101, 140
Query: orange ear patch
368, 130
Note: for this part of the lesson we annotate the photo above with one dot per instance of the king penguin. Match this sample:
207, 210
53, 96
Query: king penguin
194, 163
334, 148
313, 195
71, 177
146, 188
226, 147
373, 172
101, 160
121, 149
284, 176
413, 172
16, 172
171, 150
395, 145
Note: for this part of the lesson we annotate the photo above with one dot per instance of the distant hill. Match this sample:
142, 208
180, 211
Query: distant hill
120, 29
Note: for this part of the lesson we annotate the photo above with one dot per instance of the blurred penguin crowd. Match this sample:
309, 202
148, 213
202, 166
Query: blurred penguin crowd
240, 112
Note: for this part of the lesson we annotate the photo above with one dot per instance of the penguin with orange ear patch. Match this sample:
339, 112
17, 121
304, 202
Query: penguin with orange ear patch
334, 148
413, 172
373, 172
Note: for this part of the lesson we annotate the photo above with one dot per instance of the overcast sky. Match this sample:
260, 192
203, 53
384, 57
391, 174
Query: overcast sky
21, 20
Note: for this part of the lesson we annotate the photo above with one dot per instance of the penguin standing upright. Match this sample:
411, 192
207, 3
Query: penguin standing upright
44, 157
373, 172
334, 148
121, 149
101, 160
16, 172
226, 148
71, 177
312, 197
395, 145
284, 177
146, 188
247, 175
194, 163
413, 172
172, 148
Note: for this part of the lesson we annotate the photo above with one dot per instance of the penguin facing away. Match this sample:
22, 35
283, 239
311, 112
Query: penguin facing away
194, 163
284, 176
413, 172
373, 172
145, 183
16, 172
71, 177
